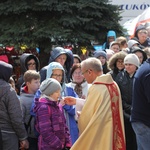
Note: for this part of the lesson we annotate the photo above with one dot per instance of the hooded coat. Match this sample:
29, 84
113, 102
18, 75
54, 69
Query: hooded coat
11, 120
135, 49
69, 111
142, 45
67, 66
107, 44
23, 66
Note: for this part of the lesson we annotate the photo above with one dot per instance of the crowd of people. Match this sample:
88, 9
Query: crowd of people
102, 102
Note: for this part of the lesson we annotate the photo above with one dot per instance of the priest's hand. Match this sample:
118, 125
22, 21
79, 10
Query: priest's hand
70, 100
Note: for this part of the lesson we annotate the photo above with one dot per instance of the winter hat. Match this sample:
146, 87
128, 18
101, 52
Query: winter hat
6, 70
112, 61
49, 86
100, 53
109, 53
111, 33
132, 59
131, 43
140, 27
135, 49
114, 43
77, 56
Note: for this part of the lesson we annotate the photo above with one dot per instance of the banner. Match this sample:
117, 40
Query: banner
141, 19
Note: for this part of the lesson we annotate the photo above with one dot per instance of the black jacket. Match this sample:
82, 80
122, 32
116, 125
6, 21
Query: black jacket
125, 83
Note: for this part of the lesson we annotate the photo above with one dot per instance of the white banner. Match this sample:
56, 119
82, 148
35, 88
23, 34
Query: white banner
133, 23
130, 8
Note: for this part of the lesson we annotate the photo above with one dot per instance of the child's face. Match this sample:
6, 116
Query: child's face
33, 86
115, 48
56, 95
102, 59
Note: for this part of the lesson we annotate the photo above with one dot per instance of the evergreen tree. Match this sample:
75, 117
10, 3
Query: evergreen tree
43, 23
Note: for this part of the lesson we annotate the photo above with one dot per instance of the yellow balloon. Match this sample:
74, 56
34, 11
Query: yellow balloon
23, 47
83, 49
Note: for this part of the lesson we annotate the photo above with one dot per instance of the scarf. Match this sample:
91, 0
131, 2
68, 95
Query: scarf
78, 89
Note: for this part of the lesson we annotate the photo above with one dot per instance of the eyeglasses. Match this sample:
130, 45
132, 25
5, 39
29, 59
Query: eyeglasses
143, 31
31, 64
84, 72
57, 75
120, 62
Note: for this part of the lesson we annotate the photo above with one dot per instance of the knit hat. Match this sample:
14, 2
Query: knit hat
131, 43
114, 43
49, 86
132, 59
100, 53
135, 49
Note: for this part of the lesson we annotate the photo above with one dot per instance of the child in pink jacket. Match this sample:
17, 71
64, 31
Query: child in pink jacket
50, 120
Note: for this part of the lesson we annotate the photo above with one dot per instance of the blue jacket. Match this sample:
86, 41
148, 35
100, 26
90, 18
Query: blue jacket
70, 115
106, 44
141, 95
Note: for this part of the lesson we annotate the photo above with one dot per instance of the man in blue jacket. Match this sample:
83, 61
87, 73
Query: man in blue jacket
140, 113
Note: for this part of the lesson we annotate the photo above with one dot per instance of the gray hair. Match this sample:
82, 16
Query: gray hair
93, 64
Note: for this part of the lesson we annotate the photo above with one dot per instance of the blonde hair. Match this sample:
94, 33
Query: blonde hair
121, 40
30, 75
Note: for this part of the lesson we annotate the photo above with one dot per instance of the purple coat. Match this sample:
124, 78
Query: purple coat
50, 123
